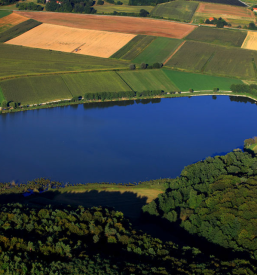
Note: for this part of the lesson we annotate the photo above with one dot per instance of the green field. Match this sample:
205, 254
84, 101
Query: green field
18, 30
199, 82
218, 36
18, 60
79, 84
4, 13
107, 9
1, 96
178, 10
158, 51
134, 47
34, 90
148, 80
215, 60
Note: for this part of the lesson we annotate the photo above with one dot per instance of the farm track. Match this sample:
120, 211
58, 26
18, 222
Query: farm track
124, 24
178, 48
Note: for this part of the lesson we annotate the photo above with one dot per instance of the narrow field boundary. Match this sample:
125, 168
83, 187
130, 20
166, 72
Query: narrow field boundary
167, 60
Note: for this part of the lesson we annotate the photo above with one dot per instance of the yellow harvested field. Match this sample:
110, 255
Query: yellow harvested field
250, 41
66, 39
12, 20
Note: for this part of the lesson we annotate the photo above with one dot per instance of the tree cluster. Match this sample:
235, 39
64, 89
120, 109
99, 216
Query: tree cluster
215, 199
76, 6
29, 6
7, 2
244, 89
220, 23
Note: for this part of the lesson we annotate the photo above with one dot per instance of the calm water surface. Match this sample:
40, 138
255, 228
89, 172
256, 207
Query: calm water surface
134, 142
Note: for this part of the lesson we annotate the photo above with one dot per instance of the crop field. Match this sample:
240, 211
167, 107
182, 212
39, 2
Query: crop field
79, 84
4, 13
32, 90
158, 50
227, 2
231, 14
213, 59
148, 80
1, 96
132, 50
179, 10
65, 39
250, 41
199, 82
107, 9
11, 20
18, 30
223, 37
17, 60
120, 24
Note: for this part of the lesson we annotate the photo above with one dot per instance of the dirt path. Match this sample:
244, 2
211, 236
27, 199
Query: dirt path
164, 63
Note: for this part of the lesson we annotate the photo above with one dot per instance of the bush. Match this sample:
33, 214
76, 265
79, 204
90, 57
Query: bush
191, 90
132, 66
215, 90
13, 104
4, 104
143, 13
100, 2
143, 66
119, 3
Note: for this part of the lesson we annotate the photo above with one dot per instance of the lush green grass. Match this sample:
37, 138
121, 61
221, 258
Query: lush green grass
17, 60
1, 96
134, 47
4, 13
216, 60
33, 90
185, 81
148, 80
79, 84
107, 9
158, 50
178, 10
223, 37
18, 30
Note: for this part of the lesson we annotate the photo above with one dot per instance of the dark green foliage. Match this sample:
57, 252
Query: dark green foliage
7, 2
143, 66
132, 66
29, 6
244, 89
18, 30
215, 199
4, 104
100, 2
146, 2
143, 13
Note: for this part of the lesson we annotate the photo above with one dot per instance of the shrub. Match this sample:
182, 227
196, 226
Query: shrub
100, 2
132, 66
191, 90
215, 90
13, 104
143, 66
4, 104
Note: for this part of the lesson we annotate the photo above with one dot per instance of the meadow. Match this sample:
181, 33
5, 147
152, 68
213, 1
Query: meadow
178, 10
148, 80
199, 82
109, 9
17, 60
158, 51
213, 59
18, 30
66, 39
134, 47
35, 90
218, 36
79, 84
4, 13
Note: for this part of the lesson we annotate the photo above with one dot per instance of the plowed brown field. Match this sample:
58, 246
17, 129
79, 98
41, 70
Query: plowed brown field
227, 12
113, 23
66, 39
12, 20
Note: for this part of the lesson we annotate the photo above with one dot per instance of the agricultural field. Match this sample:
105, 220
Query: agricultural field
1, 96
80, 41
213, 59
227, 2
8, 21
199, 82
120, 24
17, 60
148, 80
4, 13
158, 51
232, 14
218, 36
18, 30
134, 47
250, 41
79, 84
34, 90
178, 10
108, 9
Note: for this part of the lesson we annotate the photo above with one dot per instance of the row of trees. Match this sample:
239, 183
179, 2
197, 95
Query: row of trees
220, 23
244, 89
29, 6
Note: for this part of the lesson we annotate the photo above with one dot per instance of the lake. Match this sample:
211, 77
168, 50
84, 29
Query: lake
128, 141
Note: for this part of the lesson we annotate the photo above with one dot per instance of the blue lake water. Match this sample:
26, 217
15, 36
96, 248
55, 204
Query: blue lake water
133, 142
